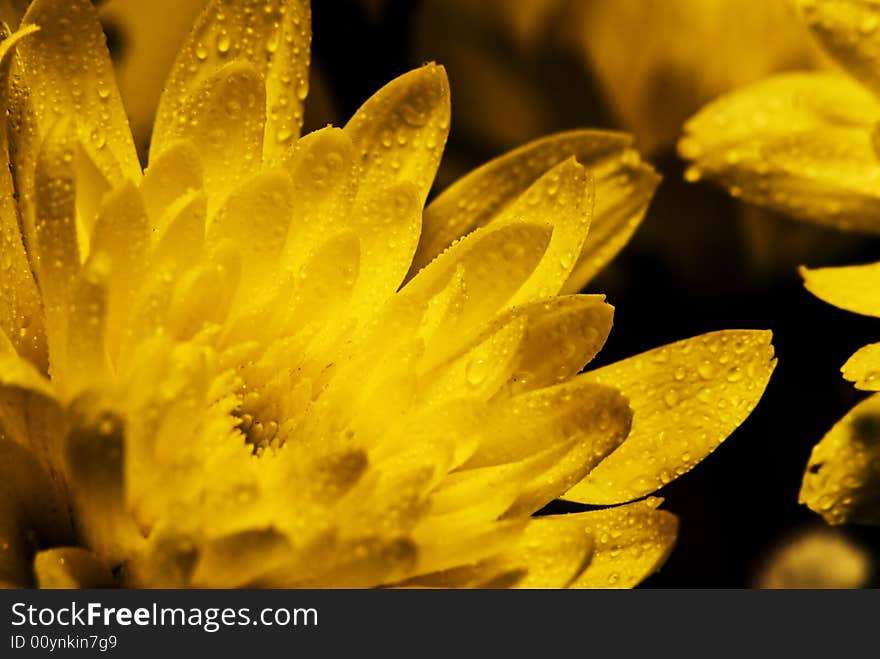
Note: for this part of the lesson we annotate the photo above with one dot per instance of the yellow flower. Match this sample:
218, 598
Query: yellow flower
251, 364
806, 144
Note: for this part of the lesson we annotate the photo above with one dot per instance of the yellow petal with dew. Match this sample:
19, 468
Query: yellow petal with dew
400, 131
71, 567
797, 143
272, 37
66, 69
853, 287
21, 317
848, 30
223, 118
493, 263
842, 478
563, 199
87, 358
631, 542
687, 397
176, 172
255, 218
863, 368
624, 186
56, 248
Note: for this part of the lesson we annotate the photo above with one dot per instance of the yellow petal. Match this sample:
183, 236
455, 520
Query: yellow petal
255, 218
273, 38
322, 168
550, 553
493, 262
848, 31
631, 542
687, 397
71, 567
174, 173
17, 371
853, 288
224, 118
563, 199
797, 143
624, 186
842, 479
87, 358
21, 317
863, 368
66, 70
562, 335
32, 509
57, 251
400, 131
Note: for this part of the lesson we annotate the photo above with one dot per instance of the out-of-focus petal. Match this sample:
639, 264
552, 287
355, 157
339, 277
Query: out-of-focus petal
270, 36
863, 368
71, 567
852, 287
821, 557
687, 397
842, 479
848, 29
798, 143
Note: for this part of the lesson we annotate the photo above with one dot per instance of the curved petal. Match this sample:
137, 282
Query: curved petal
854, 288
798, 143
224, 118
400, 131
863, 368
71, 567
687, 397
624, 186
842, 479
66, 70
848, 29
631, 543
273, 38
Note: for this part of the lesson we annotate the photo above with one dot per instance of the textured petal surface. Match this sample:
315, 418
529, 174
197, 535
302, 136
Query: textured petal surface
624, 186
854, 288
687, 397
67, 71
272, 37
848, 29
842, 479
799, 144
70, 567
863, 368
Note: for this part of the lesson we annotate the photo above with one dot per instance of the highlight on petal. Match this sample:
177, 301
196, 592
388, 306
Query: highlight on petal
70, 567
687, 397
399, 133
842, 478
65, 69
848, 31
863, 368
631, 542
624, 187
798, 143
852, 287
273, 38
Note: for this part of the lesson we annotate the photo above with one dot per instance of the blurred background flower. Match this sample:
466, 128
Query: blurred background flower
701, 260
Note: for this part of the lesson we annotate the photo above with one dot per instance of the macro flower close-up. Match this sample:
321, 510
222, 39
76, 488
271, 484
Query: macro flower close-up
805, 145
263, 361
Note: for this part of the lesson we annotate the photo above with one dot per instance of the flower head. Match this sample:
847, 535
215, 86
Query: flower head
259, 363
806, 144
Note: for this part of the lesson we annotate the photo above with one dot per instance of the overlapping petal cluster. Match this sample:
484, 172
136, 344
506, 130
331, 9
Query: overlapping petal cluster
805, 144
263, 362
